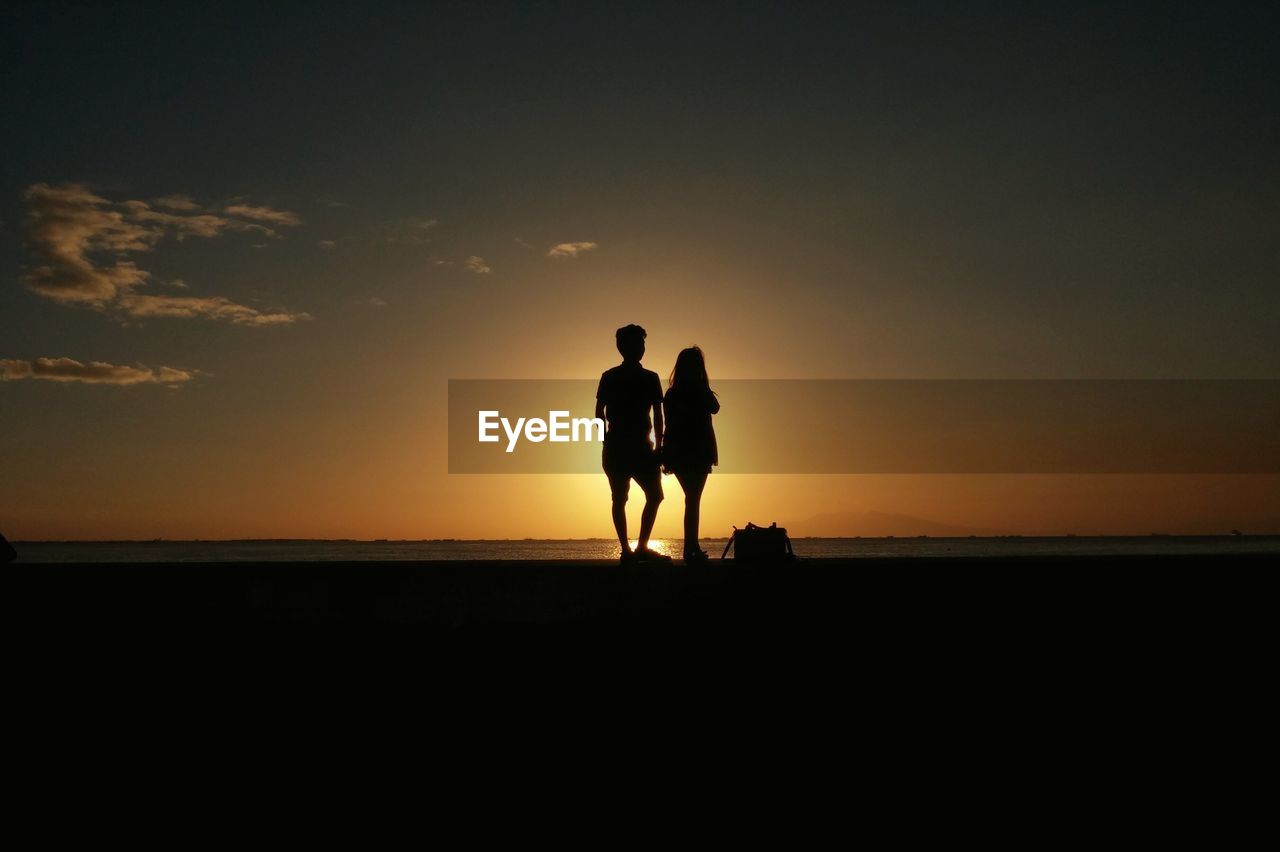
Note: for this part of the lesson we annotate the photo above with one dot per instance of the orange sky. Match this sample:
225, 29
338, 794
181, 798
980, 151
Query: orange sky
245, 248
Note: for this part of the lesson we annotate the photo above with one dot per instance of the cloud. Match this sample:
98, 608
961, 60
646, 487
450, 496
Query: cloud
374, 301
176, 202
95, 372
571, 249
199, 225
68, 223
477, 265
80, 241
213, 308
262, 214
326, 244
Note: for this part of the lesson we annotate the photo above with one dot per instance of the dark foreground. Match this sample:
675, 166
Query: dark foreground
880, 598
899, 663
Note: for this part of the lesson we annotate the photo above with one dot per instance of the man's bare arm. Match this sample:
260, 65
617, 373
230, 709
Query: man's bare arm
657, 425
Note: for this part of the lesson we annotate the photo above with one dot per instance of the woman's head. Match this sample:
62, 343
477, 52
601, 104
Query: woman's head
690, 371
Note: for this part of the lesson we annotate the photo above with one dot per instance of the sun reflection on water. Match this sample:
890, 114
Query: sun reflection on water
665, 546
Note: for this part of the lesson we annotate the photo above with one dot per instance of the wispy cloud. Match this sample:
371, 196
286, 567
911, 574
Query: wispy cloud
182, 226
326, 244
94, 372
477, 265
262, 214
80, 242
571, 249
211, 307
176, 202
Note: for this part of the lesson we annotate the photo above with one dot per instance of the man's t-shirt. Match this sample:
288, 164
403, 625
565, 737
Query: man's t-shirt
627, 392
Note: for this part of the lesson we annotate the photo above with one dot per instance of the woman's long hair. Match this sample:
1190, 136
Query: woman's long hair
690, 372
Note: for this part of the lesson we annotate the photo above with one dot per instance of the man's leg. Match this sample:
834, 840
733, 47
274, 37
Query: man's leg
651, 482
620, 522
619, 487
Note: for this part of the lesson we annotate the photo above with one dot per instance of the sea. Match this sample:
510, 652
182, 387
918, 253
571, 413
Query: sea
597, 548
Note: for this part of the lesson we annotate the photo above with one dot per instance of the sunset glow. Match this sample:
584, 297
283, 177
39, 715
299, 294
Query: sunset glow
246, 249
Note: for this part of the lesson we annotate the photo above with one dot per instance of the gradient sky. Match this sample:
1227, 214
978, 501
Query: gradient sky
309, 217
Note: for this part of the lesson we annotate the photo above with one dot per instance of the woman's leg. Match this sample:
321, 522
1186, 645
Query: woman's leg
692, 482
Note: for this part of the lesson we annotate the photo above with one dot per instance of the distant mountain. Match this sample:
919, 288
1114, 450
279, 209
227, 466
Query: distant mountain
841, 524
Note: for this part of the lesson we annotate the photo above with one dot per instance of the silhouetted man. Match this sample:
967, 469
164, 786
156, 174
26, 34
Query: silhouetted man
626, 394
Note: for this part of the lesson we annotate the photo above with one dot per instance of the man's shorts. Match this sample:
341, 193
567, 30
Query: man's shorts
625, 462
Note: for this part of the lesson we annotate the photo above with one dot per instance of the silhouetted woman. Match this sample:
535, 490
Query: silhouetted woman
689, 443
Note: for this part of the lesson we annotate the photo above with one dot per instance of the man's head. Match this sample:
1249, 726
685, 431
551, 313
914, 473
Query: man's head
631, 342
